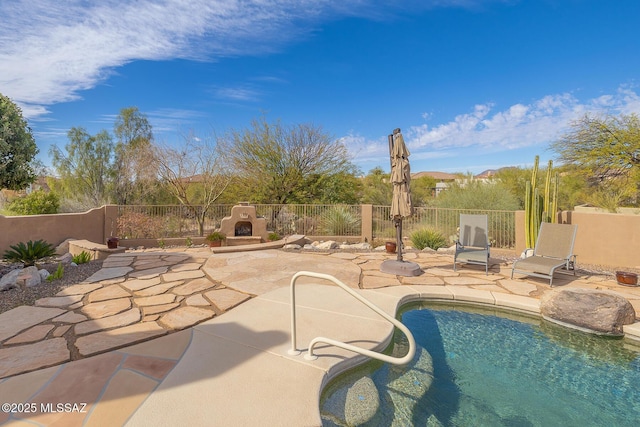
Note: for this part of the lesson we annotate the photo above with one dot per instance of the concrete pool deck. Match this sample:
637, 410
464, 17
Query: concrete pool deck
191, 338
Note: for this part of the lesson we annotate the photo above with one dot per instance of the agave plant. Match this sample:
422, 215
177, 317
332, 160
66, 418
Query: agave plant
30, 252
340, 221
81, 258
428, 238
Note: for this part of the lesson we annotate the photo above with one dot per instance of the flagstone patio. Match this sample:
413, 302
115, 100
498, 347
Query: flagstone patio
113, 341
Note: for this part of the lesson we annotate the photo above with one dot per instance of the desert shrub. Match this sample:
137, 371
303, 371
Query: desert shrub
273, 236
476, 195
215, 236
36, 203
135, 225
340, 221
30, 252
56, 274
428, 238
82, 258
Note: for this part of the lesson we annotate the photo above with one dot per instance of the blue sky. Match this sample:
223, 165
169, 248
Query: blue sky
474, 85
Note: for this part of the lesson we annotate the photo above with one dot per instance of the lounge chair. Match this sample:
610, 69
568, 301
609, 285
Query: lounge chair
554, 249
473, 245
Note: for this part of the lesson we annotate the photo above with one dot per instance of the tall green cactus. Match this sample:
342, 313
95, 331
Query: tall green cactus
554, 199
537, 208
547, 199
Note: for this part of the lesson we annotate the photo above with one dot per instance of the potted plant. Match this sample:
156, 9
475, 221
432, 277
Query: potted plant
215, 239
112, 242
390, 247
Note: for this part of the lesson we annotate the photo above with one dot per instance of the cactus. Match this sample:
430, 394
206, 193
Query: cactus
554, 199
547, 214
531, 205
539, 208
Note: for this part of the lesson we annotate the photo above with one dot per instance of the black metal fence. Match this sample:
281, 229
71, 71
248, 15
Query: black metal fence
165, 221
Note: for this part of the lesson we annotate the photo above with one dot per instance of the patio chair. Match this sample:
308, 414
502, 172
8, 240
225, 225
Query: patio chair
473, 245
554, 250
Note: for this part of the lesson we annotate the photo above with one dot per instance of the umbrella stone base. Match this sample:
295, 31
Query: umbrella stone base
400, 268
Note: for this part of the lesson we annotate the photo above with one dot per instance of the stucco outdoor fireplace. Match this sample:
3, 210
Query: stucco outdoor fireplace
244, 227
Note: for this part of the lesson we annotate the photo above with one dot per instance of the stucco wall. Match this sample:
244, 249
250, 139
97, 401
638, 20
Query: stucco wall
93, 225
606, 238
602, 238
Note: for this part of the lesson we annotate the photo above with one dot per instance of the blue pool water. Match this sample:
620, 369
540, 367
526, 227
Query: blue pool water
479, 369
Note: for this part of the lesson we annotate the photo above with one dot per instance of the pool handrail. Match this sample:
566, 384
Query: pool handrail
369, 353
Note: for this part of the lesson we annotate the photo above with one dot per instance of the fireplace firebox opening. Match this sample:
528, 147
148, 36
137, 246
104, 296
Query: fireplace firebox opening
243, 228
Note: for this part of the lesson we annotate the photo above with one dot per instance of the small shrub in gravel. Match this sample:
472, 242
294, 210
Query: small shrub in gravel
30, 252
428, 238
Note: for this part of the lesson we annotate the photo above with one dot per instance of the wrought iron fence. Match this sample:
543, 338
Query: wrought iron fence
163, 221
502, 232
147, 221
313, 220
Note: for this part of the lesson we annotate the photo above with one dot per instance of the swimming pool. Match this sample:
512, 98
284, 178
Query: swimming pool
477, 368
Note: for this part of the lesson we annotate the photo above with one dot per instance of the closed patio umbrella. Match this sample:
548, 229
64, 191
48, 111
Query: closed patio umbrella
401, 203
400, 177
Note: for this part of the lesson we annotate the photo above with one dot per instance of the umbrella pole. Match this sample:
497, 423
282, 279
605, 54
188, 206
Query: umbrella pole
399, 238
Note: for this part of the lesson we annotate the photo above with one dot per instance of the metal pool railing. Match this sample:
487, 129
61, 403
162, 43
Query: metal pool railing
373, 354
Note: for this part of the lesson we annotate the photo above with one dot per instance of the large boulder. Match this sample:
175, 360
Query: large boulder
29, 277
9, 280
63, 247
593, 311
329, 244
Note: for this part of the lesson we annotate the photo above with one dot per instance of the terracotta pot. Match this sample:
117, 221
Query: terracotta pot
627, 279
390, 247
112, 242
215, 243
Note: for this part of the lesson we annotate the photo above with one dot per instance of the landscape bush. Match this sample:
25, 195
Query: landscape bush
340, 221
82, 258
476, 195
273, 236
30, 252
56, 274
135, 225
36, 203
428, 238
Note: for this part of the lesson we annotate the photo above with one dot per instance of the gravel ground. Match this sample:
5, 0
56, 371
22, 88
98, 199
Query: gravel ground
28, 296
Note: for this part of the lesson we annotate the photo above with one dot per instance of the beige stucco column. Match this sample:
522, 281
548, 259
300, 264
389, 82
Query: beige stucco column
366, 215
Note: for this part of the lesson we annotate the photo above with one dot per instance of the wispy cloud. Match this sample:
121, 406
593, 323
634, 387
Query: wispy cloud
243, 93
487, 129
172, 119
51, 50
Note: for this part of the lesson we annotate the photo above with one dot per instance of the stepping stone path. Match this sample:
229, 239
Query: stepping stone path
142, 295
136, 296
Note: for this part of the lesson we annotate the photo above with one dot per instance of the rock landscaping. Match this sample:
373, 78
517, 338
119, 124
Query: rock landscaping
587, 309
